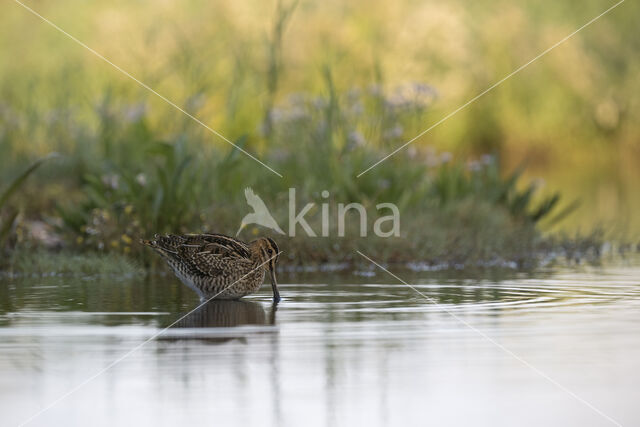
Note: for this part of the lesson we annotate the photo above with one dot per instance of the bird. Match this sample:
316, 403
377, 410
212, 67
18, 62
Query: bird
260, 214
216, 266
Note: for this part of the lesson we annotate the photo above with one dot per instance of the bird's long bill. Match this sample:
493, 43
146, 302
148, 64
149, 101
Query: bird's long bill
274, 285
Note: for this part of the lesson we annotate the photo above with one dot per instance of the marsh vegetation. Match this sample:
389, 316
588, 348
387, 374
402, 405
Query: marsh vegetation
318, 104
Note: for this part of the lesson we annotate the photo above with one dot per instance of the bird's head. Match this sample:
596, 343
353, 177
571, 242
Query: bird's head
267, 252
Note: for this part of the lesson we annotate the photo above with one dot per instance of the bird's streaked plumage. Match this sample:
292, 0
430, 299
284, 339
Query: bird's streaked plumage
219, 266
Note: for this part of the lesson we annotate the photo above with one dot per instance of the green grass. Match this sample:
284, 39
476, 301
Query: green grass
132, 166
140, 179
43, 263
165, 185
8, 220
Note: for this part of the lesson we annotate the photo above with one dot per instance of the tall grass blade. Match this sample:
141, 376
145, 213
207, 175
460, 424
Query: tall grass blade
17, 182
6, 226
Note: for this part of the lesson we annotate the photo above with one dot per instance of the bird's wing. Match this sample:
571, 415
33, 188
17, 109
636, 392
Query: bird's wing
227, 245
210, 259
255, 201
205, 254
190, 257
212, 264
168, 243
217, 243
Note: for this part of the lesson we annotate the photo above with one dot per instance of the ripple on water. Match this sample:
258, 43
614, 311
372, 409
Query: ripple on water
350, 347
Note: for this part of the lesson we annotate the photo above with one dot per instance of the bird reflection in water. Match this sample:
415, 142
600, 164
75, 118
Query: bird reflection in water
217, 321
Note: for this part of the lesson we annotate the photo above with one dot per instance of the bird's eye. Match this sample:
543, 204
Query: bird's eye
269, 251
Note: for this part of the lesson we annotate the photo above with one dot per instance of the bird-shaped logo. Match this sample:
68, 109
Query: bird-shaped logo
260, 215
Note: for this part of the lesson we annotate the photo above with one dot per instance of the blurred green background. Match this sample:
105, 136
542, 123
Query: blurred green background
319, 91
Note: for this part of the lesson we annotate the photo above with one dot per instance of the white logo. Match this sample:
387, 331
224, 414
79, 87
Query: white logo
260, 215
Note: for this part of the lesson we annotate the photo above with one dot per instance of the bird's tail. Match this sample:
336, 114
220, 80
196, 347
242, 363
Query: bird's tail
151, 243
160, 244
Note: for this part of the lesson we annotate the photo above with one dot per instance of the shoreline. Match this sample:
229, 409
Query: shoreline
67, 263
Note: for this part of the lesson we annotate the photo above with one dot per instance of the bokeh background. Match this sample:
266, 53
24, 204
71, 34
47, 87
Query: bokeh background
319, 91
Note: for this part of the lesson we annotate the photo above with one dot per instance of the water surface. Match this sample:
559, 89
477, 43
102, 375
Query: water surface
340, 349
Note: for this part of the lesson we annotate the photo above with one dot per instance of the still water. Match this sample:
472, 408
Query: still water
340, 349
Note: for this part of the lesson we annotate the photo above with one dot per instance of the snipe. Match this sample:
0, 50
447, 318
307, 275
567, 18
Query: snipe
218, 266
